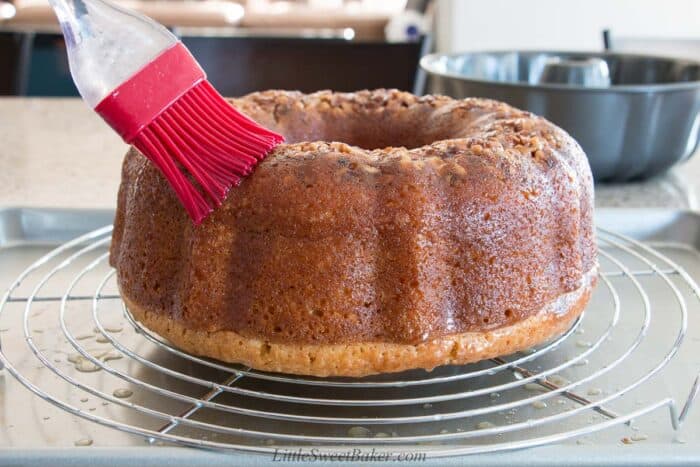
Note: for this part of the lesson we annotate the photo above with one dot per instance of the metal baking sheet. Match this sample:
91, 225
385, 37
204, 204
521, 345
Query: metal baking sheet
32, 430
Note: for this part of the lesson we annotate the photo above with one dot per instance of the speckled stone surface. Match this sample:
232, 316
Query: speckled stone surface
58, 153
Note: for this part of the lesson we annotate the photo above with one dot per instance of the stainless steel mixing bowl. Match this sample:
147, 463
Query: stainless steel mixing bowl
636, 122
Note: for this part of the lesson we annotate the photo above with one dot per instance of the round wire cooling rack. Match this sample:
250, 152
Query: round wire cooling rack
591, 378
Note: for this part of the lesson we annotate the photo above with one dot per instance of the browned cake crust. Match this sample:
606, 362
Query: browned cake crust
461, 221
367, 358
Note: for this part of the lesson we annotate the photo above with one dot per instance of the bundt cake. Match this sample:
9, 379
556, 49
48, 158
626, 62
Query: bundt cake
390, 232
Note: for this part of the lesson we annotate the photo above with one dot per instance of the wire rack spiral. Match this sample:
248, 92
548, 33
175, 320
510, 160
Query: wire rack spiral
544, 395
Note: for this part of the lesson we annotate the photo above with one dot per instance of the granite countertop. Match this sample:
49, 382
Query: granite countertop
58, 153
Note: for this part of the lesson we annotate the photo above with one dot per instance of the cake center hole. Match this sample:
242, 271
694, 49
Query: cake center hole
374, 132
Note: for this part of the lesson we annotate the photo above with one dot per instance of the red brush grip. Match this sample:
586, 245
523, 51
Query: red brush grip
139, 100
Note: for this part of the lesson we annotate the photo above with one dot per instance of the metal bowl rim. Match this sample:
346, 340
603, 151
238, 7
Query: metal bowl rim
426, 63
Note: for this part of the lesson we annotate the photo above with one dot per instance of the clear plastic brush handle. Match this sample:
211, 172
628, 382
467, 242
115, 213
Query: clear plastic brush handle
107, 44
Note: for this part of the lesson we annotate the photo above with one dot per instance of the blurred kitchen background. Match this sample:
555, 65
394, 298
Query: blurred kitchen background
248, 45
346, 45
244, 46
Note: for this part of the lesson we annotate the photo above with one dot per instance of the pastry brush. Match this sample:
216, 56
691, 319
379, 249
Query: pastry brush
148, 87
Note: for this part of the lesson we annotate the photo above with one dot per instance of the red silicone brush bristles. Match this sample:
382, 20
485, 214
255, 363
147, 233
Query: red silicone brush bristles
203, 136
201, 144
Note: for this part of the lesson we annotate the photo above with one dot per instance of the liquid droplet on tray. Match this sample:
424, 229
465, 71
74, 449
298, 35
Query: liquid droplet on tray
359, 432
112, 356
484, 425
558, 380
122, 393
86, 366
534, 387
83, 442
